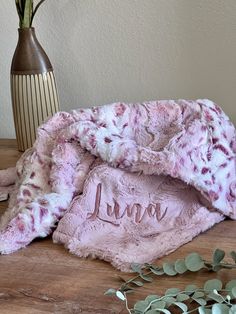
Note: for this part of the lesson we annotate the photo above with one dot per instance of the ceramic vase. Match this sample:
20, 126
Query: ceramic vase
33, 88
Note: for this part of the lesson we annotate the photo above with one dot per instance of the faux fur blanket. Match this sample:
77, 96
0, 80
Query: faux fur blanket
132, 182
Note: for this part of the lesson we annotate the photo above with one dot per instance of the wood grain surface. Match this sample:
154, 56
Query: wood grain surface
45, 278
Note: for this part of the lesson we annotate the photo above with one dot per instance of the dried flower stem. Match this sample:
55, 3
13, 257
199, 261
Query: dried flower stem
26, 12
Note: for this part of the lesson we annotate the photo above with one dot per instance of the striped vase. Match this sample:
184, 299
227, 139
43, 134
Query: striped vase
33, 88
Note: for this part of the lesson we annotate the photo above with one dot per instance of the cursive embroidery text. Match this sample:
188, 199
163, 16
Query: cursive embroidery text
136, 210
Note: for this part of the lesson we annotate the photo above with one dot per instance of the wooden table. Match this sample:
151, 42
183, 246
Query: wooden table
45, 278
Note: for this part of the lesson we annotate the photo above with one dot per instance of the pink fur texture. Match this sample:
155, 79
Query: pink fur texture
133, 181
7, 180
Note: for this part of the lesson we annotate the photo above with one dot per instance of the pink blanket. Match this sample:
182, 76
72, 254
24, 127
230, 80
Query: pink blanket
132, 181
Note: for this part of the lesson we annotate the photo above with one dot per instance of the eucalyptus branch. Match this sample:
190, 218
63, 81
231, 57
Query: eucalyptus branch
193, 263
207, 297
212, 291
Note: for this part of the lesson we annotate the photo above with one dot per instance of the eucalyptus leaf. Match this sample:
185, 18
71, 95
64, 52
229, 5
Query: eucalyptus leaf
213, 284
198, 294
194, 262
180, 266
145, 277
151, 312
203, 310
137, 283
158, 305
182, 306
129, 291
141, 306
125, 287
110, 292
152, 297
234, 291
220, 309
190, 289
169, 269
182, 297
200, 301
169, 300
215, 297
136, 268
172, 292
229, 286
233, 255
157, 272
218, 256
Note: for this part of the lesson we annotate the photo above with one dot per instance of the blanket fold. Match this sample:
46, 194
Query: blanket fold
132, 181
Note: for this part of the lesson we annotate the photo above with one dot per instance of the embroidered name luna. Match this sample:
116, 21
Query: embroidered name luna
136, 210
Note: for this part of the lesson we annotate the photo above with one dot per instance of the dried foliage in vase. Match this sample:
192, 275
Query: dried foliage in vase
33, 85
26, 10
214, 297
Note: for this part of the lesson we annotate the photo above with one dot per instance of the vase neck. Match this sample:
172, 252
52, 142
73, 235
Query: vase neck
29, 56
26, 34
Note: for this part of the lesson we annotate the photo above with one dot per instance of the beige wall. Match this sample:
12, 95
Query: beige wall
130, 50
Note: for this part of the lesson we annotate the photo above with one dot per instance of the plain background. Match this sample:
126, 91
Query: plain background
129, 50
